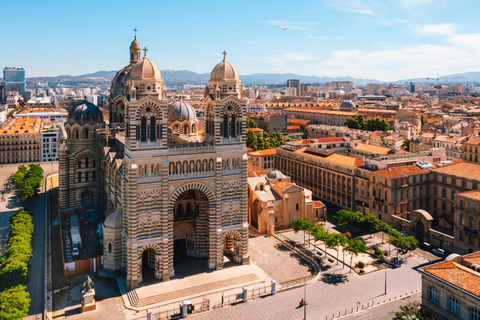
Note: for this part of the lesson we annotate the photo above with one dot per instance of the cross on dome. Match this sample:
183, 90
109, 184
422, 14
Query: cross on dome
145, 50
224, 55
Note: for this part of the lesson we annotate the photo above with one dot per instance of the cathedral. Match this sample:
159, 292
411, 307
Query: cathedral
165, 186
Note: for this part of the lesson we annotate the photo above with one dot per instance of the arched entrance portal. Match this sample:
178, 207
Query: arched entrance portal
190, 231
420, 231
150, 263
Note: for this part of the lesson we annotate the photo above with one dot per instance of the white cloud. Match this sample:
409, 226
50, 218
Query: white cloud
414, 3
470, 41
444, 29
354, 6
362, 11
400, 63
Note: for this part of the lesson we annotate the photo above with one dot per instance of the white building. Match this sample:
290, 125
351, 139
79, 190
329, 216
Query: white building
49, 146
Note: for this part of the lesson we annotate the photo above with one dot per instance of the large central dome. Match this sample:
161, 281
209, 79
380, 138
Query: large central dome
181, 111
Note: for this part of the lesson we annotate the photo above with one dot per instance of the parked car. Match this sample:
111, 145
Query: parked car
438, 251
75, 251
426, 245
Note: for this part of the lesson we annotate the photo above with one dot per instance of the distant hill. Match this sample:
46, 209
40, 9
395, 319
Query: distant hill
176, 77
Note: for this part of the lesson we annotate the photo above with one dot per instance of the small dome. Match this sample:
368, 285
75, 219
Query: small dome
85, 112
348, 104
119, 82
224, 71
181, 111
135, 46
145, 69
454, 257
275, 174
114, 221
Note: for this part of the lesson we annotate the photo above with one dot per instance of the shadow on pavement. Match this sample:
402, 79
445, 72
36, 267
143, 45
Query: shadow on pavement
335, 279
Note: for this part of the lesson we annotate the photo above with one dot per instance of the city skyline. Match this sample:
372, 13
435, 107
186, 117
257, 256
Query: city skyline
359, 38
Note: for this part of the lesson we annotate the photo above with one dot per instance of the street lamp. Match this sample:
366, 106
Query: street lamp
385, 280
304, 299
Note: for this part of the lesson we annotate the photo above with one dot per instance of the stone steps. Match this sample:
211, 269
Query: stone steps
190, 291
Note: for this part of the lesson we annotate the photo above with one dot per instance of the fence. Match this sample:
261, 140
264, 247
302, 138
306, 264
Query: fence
82, 266
175, 312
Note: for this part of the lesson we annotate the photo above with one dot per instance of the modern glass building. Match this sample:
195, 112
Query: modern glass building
14, 80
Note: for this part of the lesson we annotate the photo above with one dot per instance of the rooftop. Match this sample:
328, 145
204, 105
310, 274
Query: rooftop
474, 195
266, 152
403, 171
461, 169
21, 126
456, 275
372, 149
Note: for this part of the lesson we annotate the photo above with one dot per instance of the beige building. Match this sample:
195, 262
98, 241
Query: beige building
448, 181
467, 222
451, 288
329, 177
397, 190
262, 159
167, 190
274, 201
470, 150
20, 140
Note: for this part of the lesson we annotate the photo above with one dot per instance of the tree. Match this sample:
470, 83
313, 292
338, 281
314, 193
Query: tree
252, 141
371, 221
19, 176
354, 247
406, 144
276, 140
16, 301
344, 217
412, 310
333, 242
303, 224
355, 122
422, 120
251, 124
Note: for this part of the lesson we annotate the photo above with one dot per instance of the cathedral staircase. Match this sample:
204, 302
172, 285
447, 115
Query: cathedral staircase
198, 290
133, 297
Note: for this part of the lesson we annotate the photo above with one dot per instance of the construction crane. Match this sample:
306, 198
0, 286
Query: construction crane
437, 82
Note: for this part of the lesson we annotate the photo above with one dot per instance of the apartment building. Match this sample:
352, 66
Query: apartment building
20, 140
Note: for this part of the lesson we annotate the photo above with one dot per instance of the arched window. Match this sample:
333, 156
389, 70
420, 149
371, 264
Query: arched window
232, 126
79, 177
185, 129
225, 126
109, 248
143, 129
85, 134
153, 126
188, 209
76, 134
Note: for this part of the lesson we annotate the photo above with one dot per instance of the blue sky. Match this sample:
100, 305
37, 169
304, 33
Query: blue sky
380, 39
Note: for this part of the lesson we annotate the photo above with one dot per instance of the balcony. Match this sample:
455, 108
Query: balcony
470, 230
379, 200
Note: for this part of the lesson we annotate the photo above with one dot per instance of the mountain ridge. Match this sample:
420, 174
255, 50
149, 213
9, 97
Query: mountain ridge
186, 76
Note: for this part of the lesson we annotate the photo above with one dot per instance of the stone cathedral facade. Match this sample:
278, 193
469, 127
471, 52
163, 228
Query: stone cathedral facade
166, 188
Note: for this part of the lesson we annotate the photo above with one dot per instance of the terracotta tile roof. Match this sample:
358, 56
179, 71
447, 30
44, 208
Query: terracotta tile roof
474, 194
21, 125
282, 185
457, 275
462, 169
254, 130
260, 173
373, 149
293, 128
473, 141
346, 160
472, 258
318, 204
299, 121
403, 171
266, 152
250, 149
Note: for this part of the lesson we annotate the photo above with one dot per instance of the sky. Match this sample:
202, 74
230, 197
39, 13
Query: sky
385, 40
